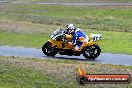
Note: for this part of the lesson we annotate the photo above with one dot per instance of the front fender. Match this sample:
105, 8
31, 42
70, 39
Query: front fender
56, 43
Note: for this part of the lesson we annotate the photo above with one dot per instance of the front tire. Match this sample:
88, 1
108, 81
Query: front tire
92, 52
49, 50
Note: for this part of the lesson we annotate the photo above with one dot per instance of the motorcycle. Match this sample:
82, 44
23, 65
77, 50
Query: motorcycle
59, 44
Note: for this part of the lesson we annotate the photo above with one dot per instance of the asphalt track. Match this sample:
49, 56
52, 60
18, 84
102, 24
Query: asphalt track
107, 58
75, 4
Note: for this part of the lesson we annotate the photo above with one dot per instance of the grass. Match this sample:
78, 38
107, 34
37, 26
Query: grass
16, 72
26, 40
14, 76
100, 18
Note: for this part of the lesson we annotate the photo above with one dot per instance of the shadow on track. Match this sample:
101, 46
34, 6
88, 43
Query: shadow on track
71, 58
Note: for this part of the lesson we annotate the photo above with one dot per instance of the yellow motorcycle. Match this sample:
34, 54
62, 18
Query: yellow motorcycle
59, 44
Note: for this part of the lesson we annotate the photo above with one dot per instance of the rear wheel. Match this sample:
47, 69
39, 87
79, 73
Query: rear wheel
49, 50
92, 52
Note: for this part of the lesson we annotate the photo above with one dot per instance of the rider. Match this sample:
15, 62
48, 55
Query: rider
79, 40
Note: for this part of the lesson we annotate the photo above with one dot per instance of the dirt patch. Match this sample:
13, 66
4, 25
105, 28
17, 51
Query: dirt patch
26, 27
65, 71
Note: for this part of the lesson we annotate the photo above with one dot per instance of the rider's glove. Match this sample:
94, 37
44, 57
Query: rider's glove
65, 41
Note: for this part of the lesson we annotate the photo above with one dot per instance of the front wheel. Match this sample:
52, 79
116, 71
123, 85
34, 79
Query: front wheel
49, 50
92, 52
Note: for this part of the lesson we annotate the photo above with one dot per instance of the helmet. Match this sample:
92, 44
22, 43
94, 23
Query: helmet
70, 26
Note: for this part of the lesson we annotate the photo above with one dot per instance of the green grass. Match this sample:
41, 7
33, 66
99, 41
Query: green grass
26, 40
16, 72
14, 76
114, 42
99, 18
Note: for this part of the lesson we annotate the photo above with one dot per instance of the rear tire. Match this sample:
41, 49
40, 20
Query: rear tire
92, 52
49, 50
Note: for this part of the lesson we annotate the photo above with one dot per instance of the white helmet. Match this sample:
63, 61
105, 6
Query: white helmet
70, 26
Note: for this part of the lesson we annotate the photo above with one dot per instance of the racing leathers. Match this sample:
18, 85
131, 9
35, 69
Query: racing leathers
79, 39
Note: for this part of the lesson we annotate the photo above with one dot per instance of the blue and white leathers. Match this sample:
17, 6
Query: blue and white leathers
79, 36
